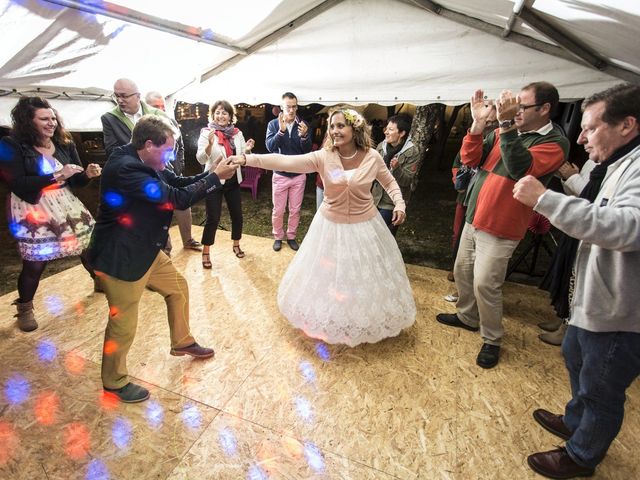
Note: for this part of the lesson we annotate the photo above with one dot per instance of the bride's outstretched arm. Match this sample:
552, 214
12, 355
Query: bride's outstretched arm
306, 163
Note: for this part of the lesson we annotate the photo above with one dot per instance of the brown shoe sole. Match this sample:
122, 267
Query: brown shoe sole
179, 353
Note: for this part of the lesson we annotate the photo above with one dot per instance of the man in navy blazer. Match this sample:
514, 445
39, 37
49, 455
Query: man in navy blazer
126, 247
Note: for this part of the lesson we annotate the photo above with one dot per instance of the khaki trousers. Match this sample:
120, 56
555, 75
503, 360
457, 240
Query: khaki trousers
479, 271
124, 297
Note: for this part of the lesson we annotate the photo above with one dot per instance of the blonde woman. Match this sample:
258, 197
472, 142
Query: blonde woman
347, 284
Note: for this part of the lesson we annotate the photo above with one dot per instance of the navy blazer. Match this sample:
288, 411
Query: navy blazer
136, 207
22, 168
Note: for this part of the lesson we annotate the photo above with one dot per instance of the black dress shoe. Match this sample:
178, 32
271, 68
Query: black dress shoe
552, 423
452, 320
130, 393
277, 245
557, 464
488, 356
293, 244
193, 350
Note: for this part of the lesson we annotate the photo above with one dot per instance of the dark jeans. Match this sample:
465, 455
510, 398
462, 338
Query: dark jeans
213, 205
387, 216
601, 367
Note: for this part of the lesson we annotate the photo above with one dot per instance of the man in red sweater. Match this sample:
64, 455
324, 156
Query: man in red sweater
527, 143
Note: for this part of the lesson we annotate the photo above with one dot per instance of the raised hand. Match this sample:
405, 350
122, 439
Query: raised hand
302, 129
250, 144
481, 111
281, 122
507, 106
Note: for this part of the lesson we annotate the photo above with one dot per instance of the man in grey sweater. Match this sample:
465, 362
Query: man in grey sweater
602, 344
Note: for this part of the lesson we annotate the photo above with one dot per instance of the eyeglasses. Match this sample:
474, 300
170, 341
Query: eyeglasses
522, 108
124, 96
290, 108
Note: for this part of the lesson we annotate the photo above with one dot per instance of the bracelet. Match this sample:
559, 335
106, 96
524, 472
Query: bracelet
245, 159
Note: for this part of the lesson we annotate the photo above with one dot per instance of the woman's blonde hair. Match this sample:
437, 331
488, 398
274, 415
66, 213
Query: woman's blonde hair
361, 129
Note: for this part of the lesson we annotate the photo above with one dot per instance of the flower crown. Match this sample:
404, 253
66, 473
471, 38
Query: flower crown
352, 117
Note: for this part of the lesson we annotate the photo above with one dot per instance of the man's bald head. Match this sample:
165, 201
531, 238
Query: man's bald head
127, 95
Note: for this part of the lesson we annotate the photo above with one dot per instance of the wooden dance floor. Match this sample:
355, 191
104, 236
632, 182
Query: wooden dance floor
274, 404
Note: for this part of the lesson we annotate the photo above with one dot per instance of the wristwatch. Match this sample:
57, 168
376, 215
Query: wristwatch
507, 123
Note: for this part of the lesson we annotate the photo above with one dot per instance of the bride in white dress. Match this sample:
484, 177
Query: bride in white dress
348, 283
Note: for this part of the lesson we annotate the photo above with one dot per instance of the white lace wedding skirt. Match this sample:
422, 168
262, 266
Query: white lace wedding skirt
348, 284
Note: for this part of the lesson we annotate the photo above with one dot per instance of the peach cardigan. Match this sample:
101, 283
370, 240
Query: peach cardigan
345, 200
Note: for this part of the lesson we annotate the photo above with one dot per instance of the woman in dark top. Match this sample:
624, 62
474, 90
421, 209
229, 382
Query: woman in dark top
39, 162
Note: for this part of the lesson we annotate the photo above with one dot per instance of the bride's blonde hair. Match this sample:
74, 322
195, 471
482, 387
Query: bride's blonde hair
361, 129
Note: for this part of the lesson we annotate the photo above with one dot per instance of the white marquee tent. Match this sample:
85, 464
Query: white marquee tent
356, 51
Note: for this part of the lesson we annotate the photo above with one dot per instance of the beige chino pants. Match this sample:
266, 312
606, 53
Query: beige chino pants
479, 271
124, 297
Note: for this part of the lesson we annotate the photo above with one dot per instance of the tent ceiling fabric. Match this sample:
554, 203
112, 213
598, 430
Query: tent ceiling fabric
358, 51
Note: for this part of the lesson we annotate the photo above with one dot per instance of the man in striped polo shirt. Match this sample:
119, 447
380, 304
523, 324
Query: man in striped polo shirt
526, 143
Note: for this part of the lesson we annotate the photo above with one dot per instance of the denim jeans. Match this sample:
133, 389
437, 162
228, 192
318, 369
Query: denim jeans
601, 367
387, 216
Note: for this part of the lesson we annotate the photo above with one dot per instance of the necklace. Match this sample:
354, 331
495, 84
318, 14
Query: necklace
349, 157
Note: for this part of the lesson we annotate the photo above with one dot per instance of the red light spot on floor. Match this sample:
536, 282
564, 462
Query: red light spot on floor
77, 440
109, 401
9, 442
46, 408
74, 362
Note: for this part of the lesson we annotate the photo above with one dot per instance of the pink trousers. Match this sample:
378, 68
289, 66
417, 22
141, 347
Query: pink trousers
285, 189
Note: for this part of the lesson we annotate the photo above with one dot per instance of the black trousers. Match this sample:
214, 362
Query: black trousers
213, 206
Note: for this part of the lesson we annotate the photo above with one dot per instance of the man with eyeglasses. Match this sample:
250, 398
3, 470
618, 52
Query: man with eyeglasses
526, 143
287, 135
118, 123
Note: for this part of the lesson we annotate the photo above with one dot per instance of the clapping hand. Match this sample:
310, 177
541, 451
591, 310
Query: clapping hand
68, 170
481, 111
302, 129
250, 144
567, 170
393, 163
281, 122
507, 106
93, 170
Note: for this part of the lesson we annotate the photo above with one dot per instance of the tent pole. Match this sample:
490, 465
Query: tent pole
561, 51
129, 15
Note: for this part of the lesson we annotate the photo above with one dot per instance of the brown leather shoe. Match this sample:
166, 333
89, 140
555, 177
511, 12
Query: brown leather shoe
552, 423
557, 464
193, 350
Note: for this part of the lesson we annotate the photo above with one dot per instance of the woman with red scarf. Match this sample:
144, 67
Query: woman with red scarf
220, 140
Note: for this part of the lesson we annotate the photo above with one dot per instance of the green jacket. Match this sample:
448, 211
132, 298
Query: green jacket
405, 174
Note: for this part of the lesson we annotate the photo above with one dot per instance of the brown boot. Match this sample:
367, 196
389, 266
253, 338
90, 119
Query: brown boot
554, 338
26, 320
